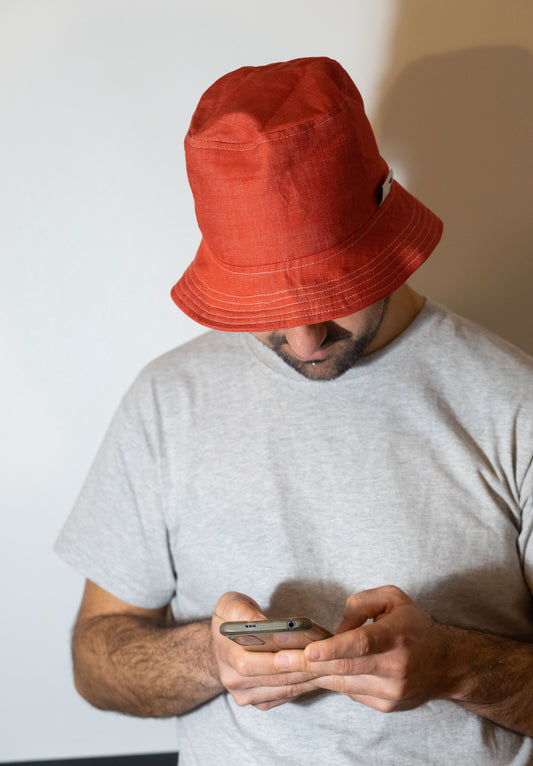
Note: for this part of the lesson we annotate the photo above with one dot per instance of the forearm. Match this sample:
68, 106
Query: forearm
493, 677
142, 667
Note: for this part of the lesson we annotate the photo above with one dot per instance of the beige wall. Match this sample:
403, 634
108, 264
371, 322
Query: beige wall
455, 113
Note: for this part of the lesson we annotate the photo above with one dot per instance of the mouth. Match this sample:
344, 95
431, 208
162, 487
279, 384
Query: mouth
318, 356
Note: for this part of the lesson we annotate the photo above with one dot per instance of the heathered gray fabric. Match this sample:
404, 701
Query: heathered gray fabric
224, 469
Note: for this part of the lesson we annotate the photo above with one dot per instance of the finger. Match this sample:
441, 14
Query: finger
368, 691
263, 665
369, 605
355, 652
271, 697
237, 606
370, 640
388, 690
344, 666
363, 685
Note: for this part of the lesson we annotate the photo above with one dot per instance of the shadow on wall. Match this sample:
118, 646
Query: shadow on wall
460, 127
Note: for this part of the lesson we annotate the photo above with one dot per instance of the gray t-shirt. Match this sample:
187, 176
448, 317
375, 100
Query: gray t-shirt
224, 469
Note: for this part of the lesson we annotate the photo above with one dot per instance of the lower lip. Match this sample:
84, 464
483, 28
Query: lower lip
318, 356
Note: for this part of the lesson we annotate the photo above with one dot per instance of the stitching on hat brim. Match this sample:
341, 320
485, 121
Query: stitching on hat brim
342, 299
420, 234
417, 213
287, 318
336, 282
357, 289
365, 296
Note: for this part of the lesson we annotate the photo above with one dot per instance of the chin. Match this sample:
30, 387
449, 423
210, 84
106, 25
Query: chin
328, 370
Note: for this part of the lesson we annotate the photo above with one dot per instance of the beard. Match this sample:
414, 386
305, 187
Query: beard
346, 348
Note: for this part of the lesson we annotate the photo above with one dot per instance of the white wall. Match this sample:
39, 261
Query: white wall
96, 223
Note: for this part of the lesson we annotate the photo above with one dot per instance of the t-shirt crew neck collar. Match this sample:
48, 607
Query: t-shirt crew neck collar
367, 365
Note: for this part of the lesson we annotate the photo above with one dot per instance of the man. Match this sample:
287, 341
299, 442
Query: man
340, 447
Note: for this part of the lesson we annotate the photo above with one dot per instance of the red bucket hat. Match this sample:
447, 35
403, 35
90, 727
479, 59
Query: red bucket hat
300, 218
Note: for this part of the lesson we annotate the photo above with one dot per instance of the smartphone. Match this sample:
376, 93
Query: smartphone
273, 635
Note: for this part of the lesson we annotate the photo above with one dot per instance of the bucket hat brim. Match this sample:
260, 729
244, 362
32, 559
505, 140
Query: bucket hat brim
325, 286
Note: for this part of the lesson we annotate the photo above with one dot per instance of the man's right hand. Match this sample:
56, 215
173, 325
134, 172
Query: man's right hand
251, 676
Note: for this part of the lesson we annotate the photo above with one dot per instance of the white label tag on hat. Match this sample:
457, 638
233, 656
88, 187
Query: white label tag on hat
385, 189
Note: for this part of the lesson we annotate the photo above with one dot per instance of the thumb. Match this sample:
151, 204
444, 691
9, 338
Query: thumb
237, 606
370, 605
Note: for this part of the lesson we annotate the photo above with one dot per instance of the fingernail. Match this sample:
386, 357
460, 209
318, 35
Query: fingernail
313, 654
282, 661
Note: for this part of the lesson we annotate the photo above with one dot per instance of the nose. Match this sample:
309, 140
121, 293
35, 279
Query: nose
306, 340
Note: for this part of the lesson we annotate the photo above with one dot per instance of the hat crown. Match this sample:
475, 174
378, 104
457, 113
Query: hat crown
245, 104
282, 162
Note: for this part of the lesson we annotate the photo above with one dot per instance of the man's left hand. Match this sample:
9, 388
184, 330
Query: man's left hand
388, 653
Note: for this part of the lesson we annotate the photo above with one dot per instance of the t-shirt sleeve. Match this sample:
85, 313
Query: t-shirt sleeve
116, 534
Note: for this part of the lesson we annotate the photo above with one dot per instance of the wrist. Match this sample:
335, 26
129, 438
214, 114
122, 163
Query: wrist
454, 661
459, 665
485, 672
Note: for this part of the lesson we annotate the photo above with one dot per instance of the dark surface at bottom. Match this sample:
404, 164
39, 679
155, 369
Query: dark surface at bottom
150, 759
